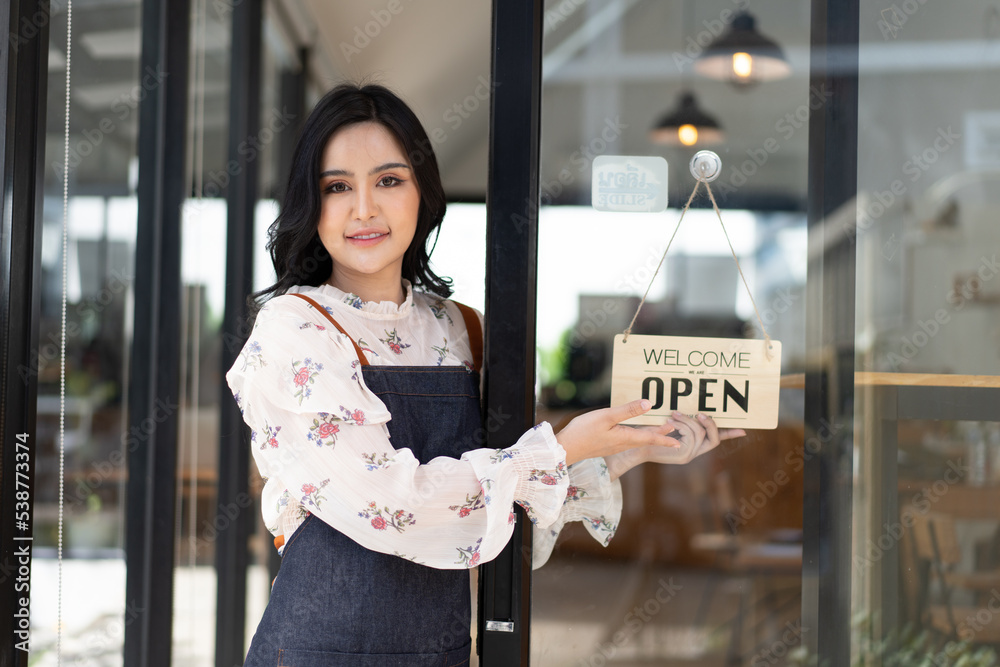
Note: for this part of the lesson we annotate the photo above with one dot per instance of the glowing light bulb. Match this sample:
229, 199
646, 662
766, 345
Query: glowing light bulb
742, 65
687, 135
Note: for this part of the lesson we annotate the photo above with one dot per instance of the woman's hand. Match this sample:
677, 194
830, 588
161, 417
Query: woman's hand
599, 433
678, 440
695, 435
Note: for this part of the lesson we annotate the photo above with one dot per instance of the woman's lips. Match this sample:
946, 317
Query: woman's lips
367, 238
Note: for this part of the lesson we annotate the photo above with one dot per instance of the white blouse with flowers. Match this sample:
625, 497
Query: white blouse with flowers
320, 440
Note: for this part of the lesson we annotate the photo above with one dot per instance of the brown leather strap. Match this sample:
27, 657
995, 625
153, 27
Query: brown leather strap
357, 348
475, 333
468, 314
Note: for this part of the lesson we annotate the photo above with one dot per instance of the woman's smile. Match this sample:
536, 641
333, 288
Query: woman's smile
365, 238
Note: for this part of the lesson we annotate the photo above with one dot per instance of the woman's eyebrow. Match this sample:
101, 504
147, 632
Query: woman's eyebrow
380, 168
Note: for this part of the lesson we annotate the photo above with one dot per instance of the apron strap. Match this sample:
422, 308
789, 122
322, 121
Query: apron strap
361, 355
475, 333
468, 314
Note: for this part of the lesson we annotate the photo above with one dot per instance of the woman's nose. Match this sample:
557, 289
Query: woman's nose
365, 204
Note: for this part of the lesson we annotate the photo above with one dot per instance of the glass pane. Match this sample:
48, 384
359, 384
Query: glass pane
706, 563
926, 488
101, 245
203, 252
277, 134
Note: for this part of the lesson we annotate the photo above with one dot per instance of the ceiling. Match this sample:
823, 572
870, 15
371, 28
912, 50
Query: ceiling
603, 61
608, 64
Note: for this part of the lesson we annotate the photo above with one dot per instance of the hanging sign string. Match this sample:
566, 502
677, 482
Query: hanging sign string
705, 166
653, 279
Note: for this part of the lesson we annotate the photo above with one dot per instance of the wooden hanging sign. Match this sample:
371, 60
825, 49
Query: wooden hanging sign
730, 379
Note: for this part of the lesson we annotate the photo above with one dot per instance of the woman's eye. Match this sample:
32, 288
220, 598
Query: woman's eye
337, 187
389, 181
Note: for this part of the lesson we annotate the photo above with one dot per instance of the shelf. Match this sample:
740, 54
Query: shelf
872, 379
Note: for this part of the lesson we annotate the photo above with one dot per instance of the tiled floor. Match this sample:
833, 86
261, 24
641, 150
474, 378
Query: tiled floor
586, 614
597, 613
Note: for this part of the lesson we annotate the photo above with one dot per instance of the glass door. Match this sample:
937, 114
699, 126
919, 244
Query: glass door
705, 564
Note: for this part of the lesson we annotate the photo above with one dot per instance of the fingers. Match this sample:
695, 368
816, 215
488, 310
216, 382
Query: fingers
627, 411
658, 435
688, 426
711, 430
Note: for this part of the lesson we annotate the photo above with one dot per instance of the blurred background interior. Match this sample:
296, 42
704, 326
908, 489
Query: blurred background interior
619, 78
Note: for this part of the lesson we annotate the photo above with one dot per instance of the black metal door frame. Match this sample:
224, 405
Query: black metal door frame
24, 68
830, 303
154, 383
504, 636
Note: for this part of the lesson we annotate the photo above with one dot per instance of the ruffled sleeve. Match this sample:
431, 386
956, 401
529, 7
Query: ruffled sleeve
591, 497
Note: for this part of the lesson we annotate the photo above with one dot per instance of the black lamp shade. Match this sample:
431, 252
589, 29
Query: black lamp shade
761, 60
706, 130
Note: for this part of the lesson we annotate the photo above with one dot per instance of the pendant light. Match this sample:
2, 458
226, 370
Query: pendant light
687, 125
743, 56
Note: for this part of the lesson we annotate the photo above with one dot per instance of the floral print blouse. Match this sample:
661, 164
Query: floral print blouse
320, 440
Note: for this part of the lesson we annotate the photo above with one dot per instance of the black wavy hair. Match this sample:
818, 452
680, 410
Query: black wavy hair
296, 250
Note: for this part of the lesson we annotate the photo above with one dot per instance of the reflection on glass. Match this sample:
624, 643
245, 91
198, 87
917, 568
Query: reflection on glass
927, 479
280, 69
198, 519
100, 272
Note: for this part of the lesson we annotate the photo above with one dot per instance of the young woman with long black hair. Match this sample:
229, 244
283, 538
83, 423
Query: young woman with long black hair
360, 382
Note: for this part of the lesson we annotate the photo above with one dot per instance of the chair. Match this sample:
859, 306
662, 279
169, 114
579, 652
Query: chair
936, 543
750, 558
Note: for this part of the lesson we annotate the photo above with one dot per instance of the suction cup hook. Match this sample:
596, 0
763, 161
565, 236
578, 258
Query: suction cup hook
706, 166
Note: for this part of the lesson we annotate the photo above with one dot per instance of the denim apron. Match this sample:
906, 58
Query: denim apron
335, 603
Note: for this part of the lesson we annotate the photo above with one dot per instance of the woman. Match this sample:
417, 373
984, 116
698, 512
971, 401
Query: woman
362, 394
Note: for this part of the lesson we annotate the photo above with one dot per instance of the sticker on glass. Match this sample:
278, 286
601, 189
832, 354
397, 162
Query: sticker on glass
629, 183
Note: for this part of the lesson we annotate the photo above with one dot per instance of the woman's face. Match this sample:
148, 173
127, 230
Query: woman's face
369, 209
